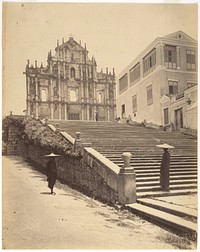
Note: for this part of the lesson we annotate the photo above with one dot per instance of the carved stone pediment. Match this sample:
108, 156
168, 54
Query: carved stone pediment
72, 83
164, 99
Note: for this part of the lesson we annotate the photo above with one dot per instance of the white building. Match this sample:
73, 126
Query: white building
160, 85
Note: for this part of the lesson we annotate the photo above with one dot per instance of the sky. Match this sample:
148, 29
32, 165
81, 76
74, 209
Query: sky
115, 33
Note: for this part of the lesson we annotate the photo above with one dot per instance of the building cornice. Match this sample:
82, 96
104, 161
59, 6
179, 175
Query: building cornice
160, 41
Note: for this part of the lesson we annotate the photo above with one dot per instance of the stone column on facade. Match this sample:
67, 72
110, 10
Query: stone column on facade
178, 57
59, 90
82, 113
52, 92
108, 113
51, 96
87, 86
28, 96
36, 97
95, 92
59, 111
59, 84
82, 100
51, 108
65, 117
87, 100
127, 181
64, 74
88, 112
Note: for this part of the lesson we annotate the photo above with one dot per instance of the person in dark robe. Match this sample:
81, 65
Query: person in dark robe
51, 171
164, 170
165, 167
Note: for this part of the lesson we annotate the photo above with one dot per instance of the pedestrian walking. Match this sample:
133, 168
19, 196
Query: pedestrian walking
165, 167
51, 171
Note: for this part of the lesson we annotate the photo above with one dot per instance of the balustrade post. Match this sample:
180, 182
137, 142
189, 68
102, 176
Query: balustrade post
126, 181
57, 128
78, 143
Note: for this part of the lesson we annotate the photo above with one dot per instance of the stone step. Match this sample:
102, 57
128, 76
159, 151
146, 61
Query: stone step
140, 174
154, 158
165, 194
171, 220
172, 187
170, 208
156, 166
172, 178
141, 142
173, 159
153, 173
173, 182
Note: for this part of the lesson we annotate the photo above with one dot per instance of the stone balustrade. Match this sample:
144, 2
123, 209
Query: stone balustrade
93, 174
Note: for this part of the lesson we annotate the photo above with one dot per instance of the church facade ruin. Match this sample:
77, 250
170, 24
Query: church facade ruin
69, 87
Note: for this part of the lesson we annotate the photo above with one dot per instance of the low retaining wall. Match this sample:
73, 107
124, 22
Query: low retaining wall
86, 174
15, 144
77, 173
91, 173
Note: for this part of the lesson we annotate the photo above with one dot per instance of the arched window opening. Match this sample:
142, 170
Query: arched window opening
44, 95
100, 97
72, 72
55, 91
72, 95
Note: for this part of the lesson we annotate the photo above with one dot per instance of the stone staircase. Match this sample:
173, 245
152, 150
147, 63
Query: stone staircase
112, 139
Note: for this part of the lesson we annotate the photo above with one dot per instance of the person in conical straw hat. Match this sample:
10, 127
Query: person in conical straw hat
51, 171
165, 166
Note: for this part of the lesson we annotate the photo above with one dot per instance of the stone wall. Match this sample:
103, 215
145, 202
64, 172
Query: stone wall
15, 144
87, 174
77, 173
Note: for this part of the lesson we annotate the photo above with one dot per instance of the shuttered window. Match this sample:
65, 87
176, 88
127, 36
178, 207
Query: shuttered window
123, 83
149, 95
149, 62
134, 102
170, 57
190, 58
135, 74
173, 87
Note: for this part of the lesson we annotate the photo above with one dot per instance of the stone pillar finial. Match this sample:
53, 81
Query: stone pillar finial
78, 135
127, 181
78, 143
57, 128
113, 72
126, 156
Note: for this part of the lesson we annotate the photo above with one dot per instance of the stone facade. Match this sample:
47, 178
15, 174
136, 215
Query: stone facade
156, 85
69, 87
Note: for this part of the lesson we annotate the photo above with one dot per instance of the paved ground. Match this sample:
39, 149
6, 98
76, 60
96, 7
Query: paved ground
34, 219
